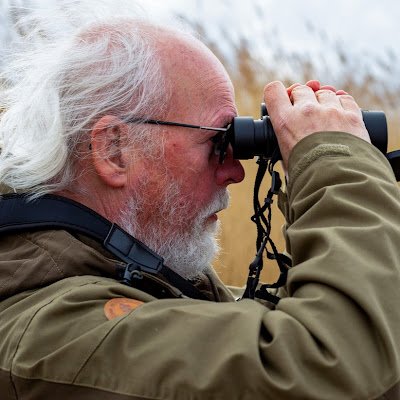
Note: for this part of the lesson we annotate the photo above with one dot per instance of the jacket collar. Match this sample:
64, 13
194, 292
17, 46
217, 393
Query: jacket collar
31, 260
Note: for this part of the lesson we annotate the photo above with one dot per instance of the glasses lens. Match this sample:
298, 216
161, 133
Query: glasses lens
221, 146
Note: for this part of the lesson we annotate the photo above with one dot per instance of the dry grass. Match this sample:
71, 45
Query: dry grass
372, 91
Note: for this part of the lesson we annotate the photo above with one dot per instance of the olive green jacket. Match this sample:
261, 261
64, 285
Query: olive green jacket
334, 335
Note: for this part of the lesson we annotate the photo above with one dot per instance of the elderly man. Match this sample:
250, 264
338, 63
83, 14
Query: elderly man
77, 126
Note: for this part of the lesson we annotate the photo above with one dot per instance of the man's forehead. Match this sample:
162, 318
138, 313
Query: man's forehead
201, 90
182, 52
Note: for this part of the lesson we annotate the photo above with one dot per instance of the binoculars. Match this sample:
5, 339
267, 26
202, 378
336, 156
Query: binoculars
250, 138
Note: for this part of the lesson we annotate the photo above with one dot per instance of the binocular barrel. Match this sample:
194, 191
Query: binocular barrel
250, 138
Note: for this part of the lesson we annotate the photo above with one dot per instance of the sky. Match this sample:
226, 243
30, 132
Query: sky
361, 23
364, 29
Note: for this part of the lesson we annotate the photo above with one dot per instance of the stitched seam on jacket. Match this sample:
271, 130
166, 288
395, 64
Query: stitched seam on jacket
22, 265
56, 266
384, 396
29, 323
322, 150
94, 351
17, 347
43, 247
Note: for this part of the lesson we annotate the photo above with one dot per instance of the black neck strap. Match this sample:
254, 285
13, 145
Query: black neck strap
17, 214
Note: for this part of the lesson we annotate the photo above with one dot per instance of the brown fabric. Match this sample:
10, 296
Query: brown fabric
6, 386
35, 260
333, 336
213, 287
38, 259
392, 394
45, 390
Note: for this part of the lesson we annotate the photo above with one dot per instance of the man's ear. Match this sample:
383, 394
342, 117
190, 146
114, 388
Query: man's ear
108, 139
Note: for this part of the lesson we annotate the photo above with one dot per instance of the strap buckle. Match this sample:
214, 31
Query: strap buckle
131, 272
137, 255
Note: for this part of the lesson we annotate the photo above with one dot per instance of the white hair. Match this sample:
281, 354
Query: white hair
74, 63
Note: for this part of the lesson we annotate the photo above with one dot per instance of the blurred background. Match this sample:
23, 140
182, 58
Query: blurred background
349, 44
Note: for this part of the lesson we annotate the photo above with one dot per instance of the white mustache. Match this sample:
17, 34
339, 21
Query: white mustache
220, 202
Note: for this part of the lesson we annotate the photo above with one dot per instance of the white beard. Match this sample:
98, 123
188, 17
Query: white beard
187, 244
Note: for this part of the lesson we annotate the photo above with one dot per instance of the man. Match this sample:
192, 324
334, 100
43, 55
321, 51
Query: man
71, 329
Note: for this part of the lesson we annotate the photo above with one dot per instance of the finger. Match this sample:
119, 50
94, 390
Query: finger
276, 99
328, 87
327, 97
314, 85
348, 103
340, 92
303, 94
290, 88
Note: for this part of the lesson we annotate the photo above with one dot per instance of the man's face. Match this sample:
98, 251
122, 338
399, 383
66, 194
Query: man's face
184, 238
174, 205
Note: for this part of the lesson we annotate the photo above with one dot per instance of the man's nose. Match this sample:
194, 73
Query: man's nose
231, 171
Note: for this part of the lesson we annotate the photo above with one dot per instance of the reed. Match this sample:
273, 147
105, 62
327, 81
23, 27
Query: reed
368, 78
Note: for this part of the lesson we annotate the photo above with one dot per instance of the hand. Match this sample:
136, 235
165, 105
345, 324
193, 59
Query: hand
302, 110
315, 86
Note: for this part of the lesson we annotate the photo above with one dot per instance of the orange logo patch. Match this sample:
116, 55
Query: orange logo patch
120, 306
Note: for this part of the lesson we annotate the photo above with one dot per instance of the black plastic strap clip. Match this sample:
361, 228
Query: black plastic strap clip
276, 184
131, 272
137, 255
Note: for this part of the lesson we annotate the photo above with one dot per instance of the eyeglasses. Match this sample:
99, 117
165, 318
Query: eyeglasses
221, 140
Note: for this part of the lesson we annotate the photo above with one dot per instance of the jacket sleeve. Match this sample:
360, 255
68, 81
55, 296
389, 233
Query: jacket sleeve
335, 335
